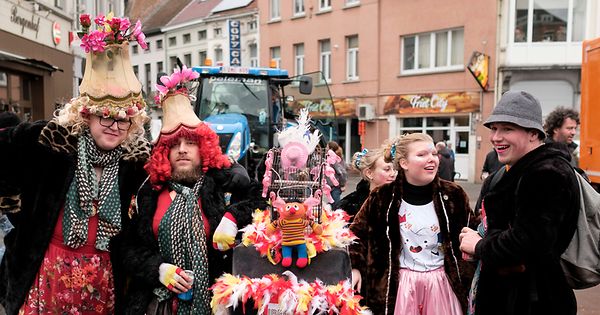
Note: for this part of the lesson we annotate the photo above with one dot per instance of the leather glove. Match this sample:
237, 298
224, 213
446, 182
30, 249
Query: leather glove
174, 278
224, 237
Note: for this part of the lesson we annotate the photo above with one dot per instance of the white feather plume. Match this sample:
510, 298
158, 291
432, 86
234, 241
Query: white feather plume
300, 133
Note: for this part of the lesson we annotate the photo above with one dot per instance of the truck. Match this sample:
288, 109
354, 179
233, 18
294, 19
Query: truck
247, 106
589, 150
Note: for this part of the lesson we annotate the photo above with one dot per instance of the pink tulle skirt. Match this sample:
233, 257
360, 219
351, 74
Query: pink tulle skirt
425, 293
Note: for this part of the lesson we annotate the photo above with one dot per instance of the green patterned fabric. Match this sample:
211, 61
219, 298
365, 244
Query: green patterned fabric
182, 242
84, 191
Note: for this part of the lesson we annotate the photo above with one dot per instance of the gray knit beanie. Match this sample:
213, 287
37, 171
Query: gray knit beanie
519, 108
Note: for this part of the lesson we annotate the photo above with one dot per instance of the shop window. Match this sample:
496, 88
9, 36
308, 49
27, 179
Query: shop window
438, 121
461, 121
433, 52
462, 142
550, 20
438, 134
412, 122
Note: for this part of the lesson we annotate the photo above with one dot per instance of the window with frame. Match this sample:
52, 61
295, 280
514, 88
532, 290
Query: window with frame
59, 4
159, 67
551, 21
298, 7
218, 55
187, 60
276, 56
149, 44
299, 59
148, 76
217, 31
159, 44
352, 2
172, 41
136, 71
352, 58
187, 38
433, 52
202, 35
172, 63
275, 9
202, 57
325, 59
252, 25
324, 5
253, 55
134, 49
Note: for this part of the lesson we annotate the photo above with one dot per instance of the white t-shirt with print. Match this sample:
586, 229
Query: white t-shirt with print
421, 238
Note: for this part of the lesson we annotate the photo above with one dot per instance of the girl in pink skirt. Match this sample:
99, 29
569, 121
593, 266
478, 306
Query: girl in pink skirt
407, 255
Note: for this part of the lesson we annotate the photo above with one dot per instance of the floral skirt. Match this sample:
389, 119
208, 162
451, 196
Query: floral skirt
72, 281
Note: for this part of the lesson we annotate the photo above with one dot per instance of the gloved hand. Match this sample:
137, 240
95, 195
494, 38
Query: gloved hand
224, 236
174, 278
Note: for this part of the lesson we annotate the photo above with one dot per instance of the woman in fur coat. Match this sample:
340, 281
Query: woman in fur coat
407, 255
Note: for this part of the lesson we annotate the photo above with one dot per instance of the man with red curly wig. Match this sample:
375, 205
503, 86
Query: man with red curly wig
181, 208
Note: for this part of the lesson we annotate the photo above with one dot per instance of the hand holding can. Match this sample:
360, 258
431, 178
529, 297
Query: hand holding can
186, 296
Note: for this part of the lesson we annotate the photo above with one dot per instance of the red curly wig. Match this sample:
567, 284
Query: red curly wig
159, 166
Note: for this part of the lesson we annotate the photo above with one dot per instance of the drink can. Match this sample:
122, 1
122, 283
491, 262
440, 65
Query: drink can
186, 296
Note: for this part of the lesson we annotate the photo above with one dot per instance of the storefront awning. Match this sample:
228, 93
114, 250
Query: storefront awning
40, 64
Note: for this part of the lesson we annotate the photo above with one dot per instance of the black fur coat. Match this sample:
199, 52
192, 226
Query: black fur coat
36, 171
354, 200
532, 215
140, 249
376, 253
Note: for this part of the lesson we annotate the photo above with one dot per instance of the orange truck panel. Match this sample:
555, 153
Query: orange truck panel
589, 151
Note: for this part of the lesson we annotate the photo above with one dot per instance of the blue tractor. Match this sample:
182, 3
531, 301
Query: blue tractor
247, 106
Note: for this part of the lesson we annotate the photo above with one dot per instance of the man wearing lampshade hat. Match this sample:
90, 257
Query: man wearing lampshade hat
183, 226
68, 184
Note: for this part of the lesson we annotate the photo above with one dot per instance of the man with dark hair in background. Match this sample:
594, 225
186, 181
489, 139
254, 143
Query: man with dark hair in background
561, 126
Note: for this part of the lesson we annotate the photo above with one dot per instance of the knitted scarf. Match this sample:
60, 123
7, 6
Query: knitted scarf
182, 241
84, 191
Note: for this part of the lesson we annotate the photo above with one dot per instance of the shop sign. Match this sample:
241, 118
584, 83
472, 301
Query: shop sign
432, 103
479, 68
235, 52
323, 108
32, 24
56, 33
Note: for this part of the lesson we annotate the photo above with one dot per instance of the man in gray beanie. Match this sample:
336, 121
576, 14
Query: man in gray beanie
531, 211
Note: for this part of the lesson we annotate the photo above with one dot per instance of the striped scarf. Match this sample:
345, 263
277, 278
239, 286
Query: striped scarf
85, 190
182, 241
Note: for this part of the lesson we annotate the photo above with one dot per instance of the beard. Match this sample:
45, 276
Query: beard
186, 177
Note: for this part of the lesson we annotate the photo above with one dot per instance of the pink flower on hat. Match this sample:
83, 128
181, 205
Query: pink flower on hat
93, 41
85, 20
170, 83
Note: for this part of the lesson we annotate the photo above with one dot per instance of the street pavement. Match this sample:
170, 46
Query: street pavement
587, 300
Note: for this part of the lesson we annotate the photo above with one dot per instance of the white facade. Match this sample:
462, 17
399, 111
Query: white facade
540, 48
218, 38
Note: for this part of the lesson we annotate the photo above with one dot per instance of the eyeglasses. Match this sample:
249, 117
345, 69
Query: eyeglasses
122, 125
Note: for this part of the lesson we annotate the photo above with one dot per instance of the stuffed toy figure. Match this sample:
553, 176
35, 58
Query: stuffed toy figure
293, 222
